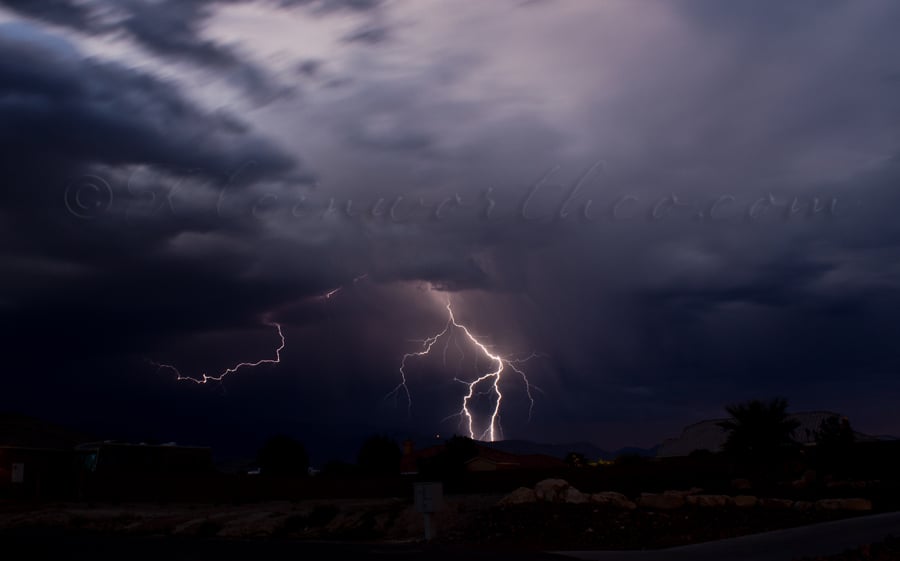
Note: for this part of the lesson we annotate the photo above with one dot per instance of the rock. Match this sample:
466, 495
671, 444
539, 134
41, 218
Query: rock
856, 504
776, 504
660, 502
709, 501
741, 484
844, 504
683, 494
611, 498
828, 504
551, 490
574, 496
189, 528
799, 484
521, 495
255, 525
745, 501
803, 506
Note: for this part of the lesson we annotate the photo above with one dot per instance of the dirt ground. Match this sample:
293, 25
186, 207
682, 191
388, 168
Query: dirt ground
465, 519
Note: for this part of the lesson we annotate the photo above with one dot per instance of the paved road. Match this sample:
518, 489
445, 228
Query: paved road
781, 545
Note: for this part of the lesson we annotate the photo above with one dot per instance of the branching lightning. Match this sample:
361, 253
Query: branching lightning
206, 378
328, 295
485, 384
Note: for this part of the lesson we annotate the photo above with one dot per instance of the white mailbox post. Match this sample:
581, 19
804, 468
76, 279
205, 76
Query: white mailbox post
18, 473
429, 498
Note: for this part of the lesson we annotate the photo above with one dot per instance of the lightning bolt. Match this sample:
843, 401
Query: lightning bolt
206, 378
327, 295
491, 379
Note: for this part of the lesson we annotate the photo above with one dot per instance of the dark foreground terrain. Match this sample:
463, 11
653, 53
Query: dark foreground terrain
97, 547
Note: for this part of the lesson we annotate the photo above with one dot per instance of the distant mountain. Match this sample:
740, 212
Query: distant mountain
636, 451
708, 435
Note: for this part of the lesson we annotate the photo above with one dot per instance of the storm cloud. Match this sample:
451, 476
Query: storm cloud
676, 205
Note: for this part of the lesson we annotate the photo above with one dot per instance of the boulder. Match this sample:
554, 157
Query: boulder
551, 490
856, 504
684, 493
776, 504
253, 525
521, 495
828, 504
616, 500
660, 501
741, 484
745, 501
709, 501
192, 527
574, 496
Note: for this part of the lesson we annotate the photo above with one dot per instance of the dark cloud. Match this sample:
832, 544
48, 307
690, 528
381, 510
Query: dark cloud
86, 112
310, 67
174, 29
334, 5
59, 12
190, 234
70, 119
369, 35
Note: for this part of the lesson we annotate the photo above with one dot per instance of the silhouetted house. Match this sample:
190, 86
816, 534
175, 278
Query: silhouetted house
40, 459
486, 459
117, 459
35, 472
412, 459
489, 459
36, 457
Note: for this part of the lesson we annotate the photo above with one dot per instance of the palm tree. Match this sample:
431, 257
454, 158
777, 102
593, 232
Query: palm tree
759, 430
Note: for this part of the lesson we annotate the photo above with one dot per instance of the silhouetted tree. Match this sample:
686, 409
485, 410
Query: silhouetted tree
759, 431
835, 432
834, 444
282, 455
379, 455
452, 460
460, 449
701, 454
576, 460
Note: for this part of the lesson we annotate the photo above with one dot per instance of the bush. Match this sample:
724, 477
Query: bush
283, 456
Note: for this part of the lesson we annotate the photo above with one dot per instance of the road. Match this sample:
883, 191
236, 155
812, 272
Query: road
827, 538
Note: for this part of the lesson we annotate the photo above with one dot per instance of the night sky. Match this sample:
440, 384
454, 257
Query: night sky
675, 205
